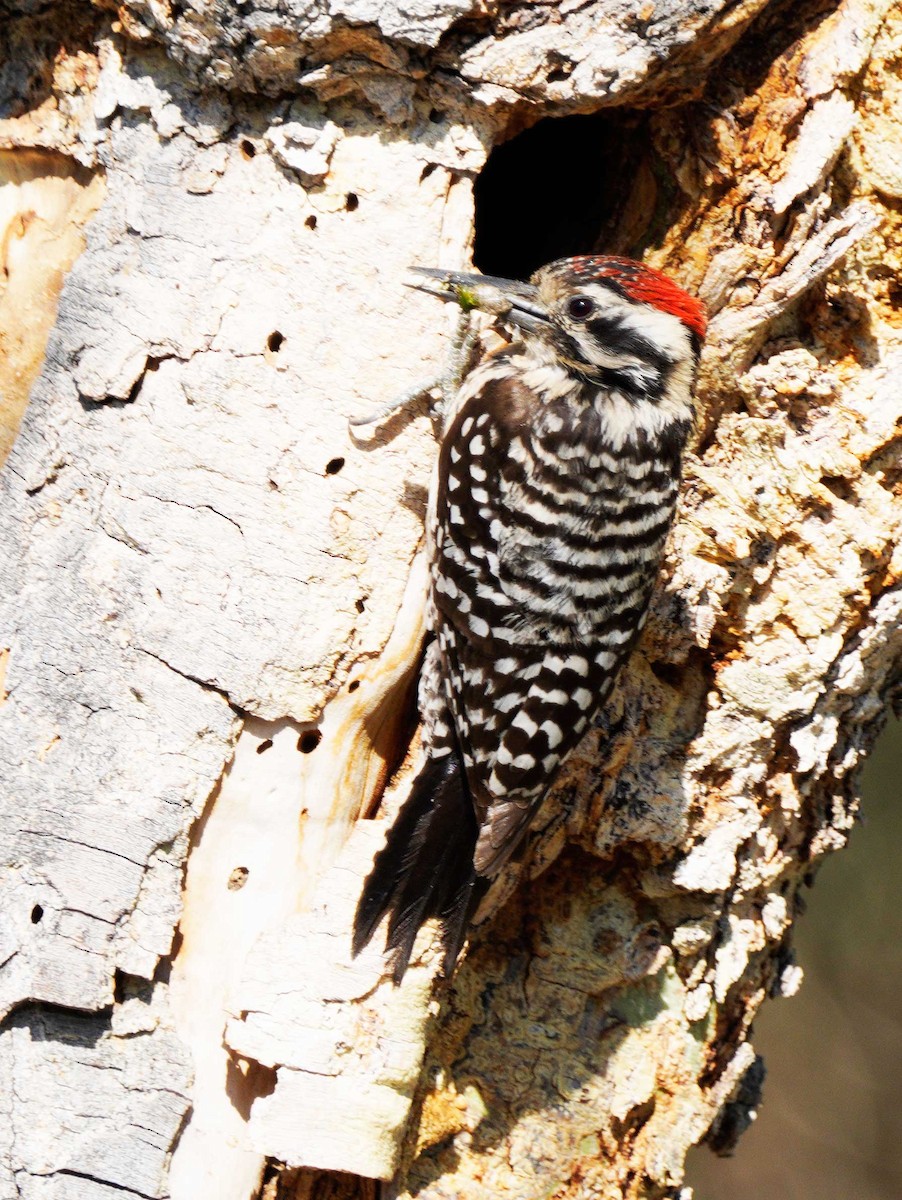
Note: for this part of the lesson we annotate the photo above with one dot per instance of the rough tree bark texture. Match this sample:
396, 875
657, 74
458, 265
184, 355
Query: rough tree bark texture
211, 607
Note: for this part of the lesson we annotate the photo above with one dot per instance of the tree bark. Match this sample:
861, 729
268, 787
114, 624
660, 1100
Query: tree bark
211, 612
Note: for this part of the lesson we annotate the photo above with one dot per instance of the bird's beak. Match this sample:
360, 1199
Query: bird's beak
509, 299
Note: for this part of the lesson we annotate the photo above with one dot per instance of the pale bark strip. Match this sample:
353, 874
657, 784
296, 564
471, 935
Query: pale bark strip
249, 876
199, 560
45, 200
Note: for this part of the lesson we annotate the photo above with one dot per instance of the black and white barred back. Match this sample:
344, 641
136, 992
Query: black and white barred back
554, 490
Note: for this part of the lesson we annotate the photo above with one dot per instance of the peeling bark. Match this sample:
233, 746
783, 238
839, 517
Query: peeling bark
211, 601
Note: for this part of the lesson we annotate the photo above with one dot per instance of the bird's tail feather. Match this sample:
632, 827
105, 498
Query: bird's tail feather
425, 868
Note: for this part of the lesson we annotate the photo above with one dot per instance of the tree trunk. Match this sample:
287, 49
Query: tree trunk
212, 598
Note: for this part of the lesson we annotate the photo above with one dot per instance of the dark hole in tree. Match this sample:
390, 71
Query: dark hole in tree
311, 222
427, 171
436, 116
560, 188
361, 603
334, 465
275, 340
309, 741
37, 914
248, 149
264, 746
351, 201
353, 685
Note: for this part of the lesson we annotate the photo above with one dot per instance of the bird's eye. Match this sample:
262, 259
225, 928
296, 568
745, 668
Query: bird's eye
580, 307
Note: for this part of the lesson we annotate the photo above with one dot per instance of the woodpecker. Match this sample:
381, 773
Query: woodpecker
554, 489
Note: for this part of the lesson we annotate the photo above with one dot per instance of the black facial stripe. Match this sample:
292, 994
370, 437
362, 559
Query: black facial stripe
614, 334
594, 375
617, 335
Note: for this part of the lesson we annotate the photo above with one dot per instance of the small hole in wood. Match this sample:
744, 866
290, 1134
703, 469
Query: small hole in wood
361, 603
334, 465
668, 673
563, 69
436, 116
309, 741
841, 488
353, 685
352, 202
248, 149
264, 746
275, 341
238, 879
427, 171
37, 914
311, 222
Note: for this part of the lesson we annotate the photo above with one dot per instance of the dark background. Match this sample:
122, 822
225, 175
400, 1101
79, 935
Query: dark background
830, 1125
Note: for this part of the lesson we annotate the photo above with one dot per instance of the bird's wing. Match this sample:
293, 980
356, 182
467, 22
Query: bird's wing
518, 706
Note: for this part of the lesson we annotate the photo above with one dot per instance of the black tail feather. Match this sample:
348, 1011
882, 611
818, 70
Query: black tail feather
426, 867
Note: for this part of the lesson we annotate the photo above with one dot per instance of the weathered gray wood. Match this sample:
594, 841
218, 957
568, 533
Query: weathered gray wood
171, 491
578, 55
94, 1106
